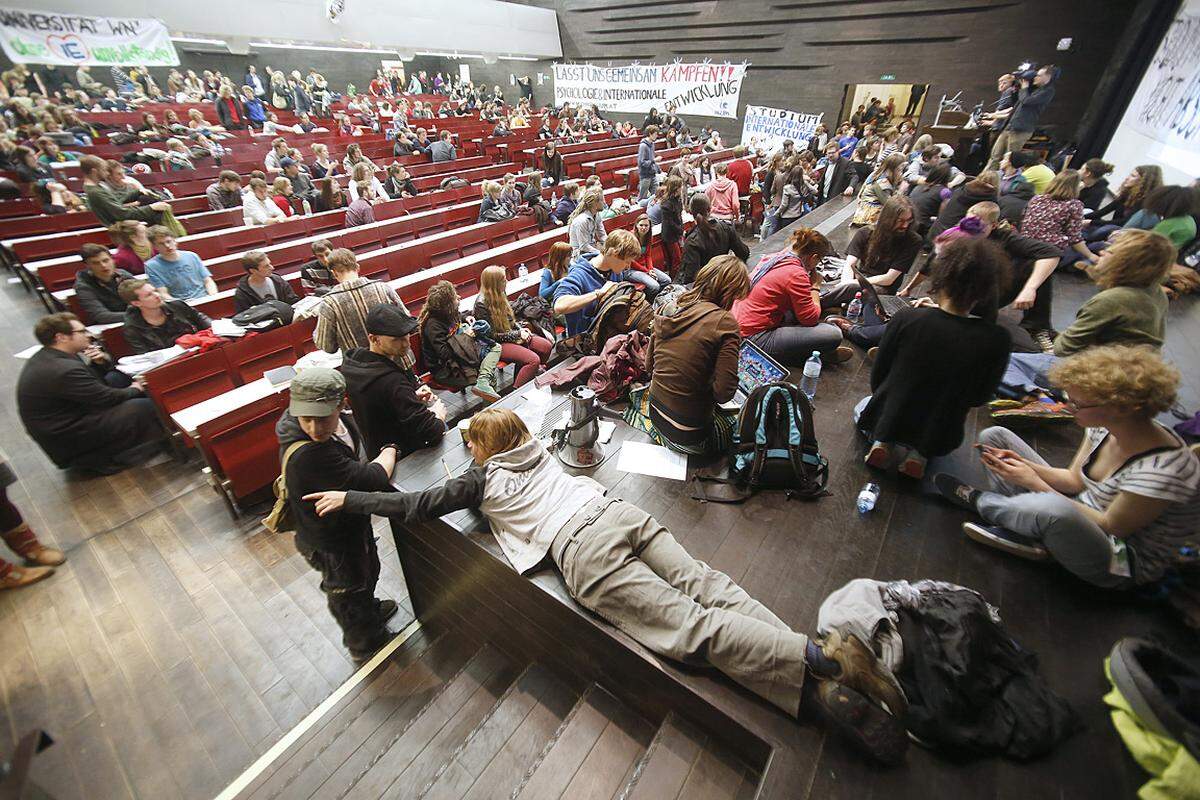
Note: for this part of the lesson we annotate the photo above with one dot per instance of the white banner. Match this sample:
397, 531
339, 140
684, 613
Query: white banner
39, 37
706, 90
765, 128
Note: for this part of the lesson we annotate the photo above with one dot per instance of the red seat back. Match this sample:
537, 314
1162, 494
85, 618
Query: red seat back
242, 444
189, 380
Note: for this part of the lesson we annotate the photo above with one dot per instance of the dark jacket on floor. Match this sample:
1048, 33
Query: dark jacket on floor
327, 466
384, 397
99, 301
699, 248
143, 337
931, 370
245, 297
76, 417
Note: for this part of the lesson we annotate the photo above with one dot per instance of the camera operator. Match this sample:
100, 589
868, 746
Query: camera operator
1035, 91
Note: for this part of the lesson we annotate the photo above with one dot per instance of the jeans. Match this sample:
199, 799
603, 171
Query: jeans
647, 186
791, 345
530, 356
348, 580
770, 224
622, 564
652, 281
1058, 522
1026, 374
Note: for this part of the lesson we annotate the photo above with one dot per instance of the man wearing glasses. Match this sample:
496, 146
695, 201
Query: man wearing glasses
79, 420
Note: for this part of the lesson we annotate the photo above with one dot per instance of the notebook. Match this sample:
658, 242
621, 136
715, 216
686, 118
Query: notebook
755, 369
890, 303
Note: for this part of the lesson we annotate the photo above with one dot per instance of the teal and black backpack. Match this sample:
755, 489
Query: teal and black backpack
774, 447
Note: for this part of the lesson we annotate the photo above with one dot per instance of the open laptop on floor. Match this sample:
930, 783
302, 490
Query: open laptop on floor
755, 369
890, 303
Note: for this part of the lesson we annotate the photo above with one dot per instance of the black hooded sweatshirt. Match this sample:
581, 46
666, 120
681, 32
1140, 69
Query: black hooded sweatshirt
384, 397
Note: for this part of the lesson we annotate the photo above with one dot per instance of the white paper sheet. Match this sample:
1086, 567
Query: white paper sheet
650, 459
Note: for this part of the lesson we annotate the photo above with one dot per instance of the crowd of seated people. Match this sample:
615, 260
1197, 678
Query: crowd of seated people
966, 264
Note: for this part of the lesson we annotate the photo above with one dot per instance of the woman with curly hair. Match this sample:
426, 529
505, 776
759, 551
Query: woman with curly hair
1119, 513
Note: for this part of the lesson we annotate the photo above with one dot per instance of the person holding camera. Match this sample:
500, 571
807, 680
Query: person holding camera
1035, 91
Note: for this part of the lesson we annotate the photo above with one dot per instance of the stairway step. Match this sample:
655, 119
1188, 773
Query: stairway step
393, 751
593, 754
492, 762
406, 673
683, 762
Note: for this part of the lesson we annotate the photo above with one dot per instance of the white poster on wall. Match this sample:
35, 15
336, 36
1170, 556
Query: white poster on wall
464, 72
706, 90
765, 128
1162, 123
46, 37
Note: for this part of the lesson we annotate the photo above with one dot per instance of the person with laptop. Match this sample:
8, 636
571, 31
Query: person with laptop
882, 252
782, 312
693, 363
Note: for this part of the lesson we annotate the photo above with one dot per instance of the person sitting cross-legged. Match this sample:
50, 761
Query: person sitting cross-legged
622, 564
1119, 514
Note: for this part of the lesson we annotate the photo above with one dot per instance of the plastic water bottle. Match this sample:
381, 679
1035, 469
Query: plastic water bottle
867, 497
854, 309
522, 270
812, 373
307, 208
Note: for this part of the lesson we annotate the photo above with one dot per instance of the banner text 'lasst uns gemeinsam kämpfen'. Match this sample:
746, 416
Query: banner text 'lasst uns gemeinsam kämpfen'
709, 90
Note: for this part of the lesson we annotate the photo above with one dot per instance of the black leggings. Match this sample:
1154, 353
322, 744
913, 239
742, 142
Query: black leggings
10, 517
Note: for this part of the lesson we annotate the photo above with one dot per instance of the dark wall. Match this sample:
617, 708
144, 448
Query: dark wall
803, 52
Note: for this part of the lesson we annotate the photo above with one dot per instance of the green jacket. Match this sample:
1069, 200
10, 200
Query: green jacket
1120, 315
109, 205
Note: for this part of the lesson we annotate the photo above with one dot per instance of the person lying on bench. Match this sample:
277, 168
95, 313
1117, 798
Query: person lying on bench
623, 565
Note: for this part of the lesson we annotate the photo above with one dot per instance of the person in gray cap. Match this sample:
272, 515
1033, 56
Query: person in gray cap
322, 449
302, 185
390, 402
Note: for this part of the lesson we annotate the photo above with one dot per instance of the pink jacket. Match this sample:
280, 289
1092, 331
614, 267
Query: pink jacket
723, 196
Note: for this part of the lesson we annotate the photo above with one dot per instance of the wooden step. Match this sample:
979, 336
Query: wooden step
492, 762
682, 762
440, 726
397, 690
593, 754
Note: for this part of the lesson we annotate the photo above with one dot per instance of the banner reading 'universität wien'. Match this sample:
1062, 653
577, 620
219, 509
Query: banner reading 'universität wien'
707, 90
47, 37
766, 128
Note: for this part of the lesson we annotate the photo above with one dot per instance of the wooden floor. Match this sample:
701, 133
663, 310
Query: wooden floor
176, 646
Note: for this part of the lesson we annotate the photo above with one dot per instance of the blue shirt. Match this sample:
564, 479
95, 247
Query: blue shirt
581, 278
548, 285
184, 277
846, 145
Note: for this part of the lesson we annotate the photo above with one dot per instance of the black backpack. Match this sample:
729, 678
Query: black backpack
774, 447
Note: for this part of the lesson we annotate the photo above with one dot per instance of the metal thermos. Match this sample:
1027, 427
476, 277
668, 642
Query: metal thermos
582, 447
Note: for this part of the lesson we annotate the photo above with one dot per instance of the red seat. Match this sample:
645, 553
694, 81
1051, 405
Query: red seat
253, 355
189, 380
241, 446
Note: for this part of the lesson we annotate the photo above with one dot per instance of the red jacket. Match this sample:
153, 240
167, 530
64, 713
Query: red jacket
740, 172
786, 287
644, 262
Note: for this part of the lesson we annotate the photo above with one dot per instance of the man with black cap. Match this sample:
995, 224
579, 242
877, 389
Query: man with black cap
302, 185
321, 449
389, 401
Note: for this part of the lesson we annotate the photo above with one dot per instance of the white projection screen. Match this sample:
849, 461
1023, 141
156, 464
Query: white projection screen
1162, 124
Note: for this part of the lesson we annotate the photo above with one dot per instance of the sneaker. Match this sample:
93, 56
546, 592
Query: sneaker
879, 456
863, 672
913, 466
1004, 402
843, 324
843, 353
360, 657
1013, 543
485, 392
1044, 339
17, 577
1045, 408
960, 494
386, 609
858, 720
871, 353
